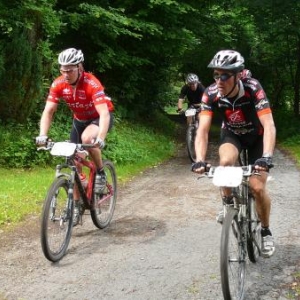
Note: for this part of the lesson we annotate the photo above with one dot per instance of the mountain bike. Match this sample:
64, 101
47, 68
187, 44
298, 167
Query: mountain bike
191, 131
241, 229
58, 208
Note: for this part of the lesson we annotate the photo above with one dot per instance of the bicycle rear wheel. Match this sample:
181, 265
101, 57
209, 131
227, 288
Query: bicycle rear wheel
232, 262
57, 224
190, 142
254, 236
104, 203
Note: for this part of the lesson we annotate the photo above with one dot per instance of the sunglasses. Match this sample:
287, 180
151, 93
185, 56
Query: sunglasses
69, 71
223, 77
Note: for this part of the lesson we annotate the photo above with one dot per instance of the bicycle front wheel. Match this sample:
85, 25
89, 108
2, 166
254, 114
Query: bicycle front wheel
190, 142
232, 262
254, 235
104, 203
57, 216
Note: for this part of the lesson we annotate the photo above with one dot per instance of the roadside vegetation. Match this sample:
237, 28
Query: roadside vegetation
133, 146
141, 52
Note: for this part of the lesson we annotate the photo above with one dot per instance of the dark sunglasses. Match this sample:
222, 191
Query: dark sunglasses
222, 77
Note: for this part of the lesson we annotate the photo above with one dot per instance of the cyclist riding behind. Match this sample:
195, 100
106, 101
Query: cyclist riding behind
92, 112
247, 123
193, 91
246, 74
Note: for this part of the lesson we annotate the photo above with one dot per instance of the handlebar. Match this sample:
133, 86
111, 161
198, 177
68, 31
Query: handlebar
182, 111
66, 149
79, 147
229, 176
247, 170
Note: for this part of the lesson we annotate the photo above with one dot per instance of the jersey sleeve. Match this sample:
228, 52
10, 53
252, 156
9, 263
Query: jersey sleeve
262, 104
183, 92
55, 91
98, 94
206, 103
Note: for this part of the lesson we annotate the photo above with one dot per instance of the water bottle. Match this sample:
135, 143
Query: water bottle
83, 180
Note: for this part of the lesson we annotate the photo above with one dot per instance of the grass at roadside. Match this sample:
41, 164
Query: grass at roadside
22, 191
137, 148
293, 151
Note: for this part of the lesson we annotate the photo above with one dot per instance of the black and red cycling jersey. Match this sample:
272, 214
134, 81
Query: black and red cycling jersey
193, 97
82, 100
241, 113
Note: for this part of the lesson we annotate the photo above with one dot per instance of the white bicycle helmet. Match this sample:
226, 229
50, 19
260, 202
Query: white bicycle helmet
191, 78
70, 56
227, 60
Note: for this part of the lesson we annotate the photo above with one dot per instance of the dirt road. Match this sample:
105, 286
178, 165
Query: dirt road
163, 244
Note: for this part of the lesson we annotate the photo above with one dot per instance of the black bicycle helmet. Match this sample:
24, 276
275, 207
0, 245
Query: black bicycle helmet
227, 60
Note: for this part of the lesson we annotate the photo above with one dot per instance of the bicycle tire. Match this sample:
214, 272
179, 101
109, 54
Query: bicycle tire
57, 220
254, 235
104, 204
232, 261
190, 142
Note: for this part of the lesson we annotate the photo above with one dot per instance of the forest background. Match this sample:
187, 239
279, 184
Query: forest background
141, 51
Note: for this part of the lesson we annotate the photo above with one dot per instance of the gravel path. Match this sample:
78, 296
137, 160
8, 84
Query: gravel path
163, 244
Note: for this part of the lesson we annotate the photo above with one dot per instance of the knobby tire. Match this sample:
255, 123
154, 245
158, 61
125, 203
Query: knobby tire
104, 204
254, 236
57, 220
232, 262
190, 142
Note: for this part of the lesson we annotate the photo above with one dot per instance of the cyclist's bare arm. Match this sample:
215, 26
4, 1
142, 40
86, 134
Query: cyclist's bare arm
269, 133
47, 116
201, 140
104, 120
180, 103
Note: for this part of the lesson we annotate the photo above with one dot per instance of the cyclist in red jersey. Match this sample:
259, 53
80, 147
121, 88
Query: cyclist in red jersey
247, 123
92, 111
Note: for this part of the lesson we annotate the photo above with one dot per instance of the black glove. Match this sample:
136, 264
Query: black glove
264, 162
180, 111
199, 164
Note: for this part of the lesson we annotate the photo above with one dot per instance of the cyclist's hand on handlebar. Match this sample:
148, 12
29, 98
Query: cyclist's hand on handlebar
99, 142
41, 140
200, 167
263, 164
180, 111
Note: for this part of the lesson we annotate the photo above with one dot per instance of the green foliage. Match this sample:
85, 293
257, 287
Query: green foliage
22, 193
287, 127
25, 29
123, 142
132, 146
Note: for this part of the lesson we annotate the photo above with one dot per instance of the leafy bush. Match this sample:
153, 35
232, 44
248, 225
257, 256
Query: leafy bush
126, 142
287, 126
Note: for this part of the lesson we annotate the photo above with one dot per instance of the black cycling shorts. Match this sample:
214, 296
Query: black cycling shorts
79, 126
254, 143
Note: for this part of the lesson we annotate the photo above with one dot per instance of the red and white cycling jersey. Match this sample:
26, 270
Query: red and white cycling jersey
82, 100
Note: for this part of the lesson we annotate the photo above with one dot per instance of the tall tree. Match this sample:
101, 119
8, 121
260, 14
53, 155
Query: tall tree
24, 39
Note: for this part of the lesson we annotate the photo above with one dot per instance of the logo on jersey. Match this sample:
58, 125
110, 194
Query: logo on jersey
67, 91
235, 117
260, 95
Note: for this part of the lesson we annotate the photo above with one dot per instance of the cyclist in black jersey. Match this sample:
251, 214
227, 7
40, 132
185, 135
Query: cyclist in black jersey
192, 91
247, 123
